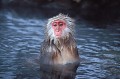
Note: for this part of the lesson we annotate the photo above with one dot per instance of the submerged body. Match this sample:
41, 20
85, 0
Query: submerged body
59, 46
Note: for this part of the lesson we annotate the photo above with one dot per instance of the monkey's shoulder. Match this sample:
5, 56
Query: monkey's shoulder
44, 46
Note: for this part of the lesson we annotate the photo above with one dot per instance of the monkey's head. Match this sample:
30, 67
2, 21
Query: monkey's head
60, 26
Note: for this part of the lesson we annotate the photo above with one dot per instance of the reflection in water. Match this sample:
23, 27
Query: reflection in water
21, 33
58, 72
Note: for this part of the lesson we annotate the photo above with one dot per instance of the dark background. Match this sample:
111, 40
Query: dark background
88, 9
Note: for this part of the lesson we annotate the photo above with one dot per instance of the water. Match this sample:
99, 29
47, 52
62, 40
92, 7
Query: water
21, 33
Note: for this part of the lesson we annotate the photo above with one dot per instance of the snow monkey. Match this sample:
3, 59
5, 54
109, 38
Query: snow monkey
59, 46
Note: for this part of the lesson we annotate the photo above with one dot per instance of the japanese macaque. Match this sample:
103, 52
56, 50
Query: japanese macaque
59, 46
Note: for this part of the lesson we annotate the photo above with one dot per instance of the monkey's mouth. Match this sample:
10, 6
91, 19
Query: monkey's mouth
58, 34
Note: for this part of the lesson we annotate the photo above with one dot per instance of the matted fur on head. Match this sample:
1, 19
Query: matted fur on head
69, 30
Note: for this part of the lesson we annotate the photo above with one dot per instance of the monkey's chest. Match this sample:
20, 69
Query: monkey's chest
65, 56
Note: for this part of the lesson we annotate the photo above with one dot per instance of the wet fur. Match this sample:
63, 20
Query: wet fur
62, 50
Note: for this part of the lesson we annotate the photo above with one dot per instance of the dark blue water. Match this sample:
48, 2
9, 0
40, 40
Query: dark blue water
21, 33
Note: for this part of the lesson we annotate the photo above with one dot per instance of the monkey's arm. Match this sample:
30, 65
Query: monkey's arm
48, 52
43, 47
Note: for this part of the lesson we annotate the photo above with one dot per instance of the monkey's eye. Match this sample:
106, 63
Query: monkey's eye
60, 23
54, 24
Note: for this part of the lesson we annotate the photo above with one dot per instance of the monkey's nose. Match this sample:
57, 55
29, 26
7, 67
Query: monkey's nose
57, 29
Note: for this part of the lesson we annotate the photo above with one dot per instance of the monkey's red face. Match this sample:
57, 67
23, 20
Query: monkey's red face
58, 27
